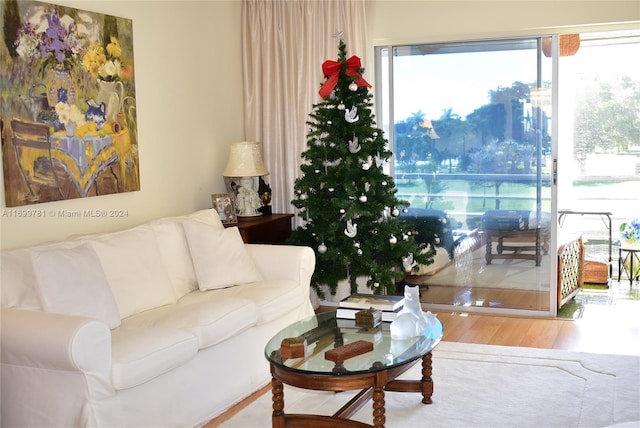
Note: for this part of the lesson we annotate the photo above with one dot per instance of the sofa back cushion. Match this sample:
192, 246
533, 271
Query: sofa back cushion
219, 256
174, 252
17, 278
19, 288
133, 266
18, 283
174, 248
71, 281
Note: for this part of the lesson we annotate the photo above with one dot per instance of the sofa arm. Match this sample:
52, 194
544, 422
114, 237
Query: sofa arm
41, 342
284, 261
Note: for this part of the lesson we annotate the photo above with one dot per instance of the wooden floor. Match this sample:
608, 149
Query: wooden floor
607, 330
603, 329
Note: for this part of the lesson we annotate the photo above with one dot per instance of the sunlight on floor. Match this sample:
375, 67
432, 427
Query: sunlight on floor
620, 301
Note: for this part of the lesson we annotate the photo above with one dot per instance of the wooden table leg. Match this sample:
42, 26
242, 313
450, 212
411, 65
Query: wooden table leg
379, 417
427, 381
277, 392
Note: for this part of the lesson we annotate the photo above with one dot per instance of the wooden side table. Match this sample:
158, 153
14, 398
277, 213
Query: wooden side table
265, 229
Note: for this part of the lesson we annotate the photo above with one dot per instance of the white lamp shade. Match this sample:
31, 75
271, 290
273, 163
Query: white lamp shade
245, 160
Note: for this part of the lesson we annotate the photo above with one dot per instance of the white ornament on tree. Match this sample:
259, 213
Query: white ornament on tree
351, 230
351, 116
408, 263
393, 240
367, 164
353, 87
354, 145
363, 198
395, 212
322, 248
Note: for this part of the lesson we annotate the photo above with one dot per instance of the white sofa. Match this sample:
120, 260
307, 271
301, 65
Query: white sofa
163, 324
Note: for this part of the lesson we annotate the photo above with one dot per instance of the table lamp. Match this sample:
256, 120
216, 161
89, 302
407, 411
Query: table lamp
245, 162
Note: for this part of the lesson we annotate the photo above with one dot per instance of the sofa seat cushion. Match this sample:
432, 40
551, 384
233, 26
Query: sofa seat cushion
273, 298
143, 354
210, 317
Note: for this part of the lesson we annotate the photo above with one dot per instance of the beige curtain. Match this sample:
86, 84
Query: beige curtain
284, 44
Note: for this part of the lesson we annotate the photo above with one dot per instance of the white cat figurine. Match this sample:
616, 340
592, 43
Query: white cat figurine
411, 320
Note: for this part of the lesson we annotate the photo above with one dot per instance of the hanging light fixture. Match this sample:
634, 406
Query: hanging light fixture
569, 45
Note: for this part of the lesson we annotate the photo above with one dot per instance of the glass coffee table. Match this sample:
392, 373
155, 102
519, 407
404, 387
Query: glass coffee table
365, 359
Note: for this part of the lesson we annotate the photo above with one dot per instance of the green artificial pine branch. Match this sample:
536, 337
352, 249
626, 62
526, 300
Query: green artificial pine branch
343, 185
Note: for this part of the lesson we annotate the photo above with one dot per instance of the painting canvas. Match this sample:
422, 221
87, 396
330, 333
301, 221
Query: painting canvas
68, 103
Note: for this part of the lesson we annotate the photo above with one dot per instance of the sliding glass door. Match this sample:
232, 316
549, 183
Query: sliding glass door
470, 126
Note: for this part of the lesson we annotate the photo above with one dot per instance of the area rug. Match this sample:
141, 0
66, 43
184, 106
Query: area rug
491, 386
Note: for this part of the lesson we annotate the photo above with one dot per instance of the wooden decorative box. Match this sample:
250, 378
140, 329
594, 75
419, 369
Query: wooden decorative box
368, 318
351, 350
293, 347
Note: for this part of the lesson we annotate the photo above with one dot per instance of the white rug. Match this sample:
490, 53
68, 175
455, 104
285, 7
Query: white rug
493, 386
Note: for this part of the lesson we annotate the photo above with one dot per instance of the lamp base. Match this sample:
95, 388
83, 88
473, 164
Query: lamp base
265, 209
249, 215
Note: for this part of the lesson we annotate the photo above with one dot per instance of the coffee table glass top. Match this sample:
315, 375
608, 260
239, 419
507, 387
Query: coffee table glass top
324, 332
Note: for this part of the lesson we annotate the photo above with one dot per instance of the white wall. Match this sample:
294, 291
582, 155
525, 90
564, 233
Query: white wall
189, 108
408, 21
189, 91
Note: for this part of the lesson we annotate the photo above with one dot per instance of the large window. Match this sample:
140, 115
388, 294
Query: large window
472, 137
599, 140
471, 128
467, 125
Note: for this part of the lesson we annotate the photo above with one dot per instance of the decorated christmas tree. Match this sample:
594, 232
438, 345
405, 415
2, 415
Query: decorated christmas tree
345, 199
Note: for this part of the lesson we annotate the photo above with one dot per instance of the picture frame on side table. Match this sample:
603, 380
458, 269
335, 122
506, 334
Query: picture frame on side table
225, 206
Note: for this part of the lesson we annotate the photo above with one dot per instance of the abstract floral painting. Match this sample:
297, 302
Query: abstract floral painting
68, 112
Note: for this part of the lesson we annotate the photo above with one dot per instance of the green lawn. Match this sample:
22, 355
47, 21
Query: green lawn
466, 200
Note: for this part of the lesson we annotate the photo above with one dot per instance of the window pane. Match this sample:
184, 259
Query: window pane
472, 140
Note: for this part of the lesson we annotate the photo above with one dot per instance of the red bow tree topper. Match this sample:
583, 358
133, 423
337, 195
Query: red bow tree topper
331, 70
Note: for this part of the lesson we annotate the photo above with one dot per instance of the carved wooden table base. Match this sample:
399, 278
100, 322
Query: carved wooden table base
373, 386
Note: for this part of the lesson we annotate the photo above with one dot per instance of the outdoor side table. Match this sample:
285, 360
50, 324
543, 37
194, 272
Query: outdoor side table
632, 271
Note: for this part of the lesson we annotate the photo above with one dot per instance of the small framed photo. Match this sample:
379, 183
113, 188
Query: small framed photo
225, 205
